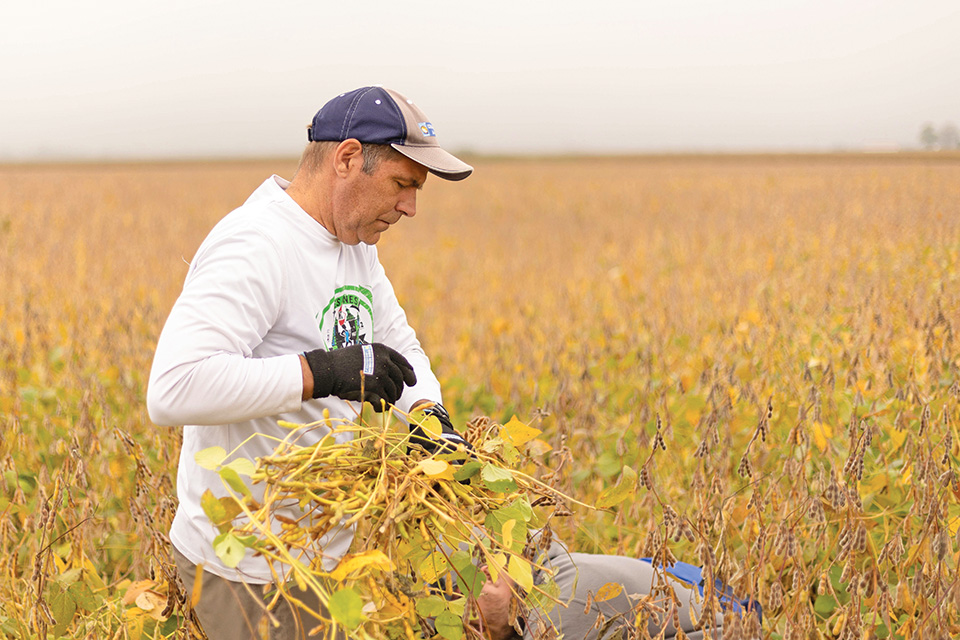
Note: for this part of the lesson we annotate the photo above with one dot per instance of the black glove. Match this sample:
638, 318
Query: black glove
449, 438
337, 373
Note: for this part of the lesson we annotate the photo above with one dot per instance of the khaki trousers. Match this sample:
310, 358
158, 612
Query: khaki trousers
233, 611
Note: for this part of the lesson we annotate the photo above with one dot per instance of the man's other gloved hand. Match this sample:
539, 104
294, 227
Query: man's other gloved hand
449, 438
337, 373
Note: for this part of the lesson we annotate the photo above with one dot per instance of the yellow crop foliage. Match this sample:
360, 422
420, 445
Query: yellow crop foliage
784, 326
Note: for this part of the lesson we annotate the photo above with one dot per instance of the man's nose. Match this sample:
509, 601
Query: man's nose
408, 204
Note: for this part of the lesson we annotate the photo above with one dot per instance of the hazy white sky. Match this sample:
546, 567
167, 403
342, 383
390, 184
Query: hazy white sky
129, 78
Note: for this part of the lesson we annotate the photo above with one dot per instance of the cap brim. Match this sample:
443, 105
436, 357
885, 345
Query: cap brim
441, 163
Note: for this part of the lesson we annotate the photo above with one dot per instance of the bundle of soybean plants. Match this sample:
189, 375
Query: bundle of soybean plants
424, 524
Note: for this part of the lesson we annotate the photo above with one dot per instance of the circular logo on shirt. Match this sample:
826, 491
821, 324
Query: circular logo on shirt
347, 318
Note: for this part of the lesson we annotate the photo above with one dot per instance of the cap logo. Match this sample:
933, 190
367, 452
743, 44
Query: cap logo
427, 129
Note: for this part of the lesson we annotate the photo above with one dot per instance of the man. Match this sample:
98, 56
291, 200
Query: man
581, 577
286, 313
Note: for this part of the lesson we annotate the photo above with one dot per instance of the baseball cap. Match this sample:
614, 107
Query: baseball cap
382, 116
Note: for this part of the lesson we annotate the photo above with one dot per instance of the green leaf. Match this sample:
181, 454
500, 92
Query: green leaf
457, 606
469, 578
461, 559
546, 601
347, 607
510, 453
625, 488
518, 510
229, 548
232, 478
491, 445
607, 464
497, 479
211, 457
825, 605
69, 576
467, 470
84, 596
63, 608
431, 606
242, 466
449, 626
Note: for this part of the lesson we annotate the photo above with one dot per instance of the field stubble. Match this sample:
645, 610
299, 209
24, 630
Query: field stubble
783, 326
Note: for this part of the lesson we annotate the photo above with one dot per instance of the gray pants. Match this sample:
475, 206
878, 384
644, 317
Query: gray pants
233, 611
579, 574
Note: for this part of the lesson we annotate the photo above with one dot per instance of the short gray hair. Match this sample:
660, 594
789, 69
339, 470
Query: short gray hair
316, 152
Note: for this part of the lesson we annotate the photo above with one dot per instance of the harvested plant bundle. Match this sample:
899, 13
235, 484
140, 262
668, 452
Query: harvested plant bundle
422, 523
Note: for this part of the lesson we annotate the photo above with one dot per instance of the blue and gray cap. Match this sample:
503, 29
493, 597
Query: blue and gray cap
382, 116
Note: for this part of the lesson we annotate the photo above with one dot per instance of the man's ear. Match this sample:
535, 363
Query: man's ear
348, 157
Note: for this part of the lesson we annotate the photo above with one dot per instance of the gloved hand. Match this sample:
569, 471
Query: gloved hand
449, 438
337, 373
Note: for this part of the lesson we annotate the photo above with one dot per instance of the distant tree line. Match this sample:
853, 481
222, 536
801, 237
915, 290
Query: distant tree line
946, 137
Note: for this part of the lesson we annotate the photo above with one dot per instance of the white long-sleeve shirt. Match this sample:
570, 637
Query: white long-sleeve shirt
268, 283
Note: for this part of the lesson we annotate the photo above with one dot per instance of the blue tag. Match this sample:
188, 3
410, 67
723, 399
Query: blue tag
427, 130
367, 359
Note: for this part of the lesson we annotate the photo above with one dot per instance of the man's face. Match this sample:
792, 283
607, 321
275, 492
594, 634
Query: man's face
493, 609
366, 205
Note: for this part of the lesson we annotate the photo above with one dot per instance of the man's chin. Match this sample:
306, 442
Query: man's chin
370, 238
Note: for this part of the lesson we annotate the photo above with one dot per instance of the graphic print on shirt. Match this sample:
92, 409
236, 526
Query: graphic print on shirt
348, 318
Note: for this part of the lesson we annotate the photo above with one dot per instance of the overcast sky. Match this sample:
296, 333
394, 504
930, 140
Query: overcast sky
128, 78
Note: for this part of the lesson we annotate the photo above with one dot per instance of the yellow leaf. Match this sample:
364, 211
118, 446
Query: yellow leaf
507, 532
496, 563
61, 565
197, 587
538, 447
436, 469
875, 484
921, 548
153, 603
521, 572
91, 576
897, 438
625, 489
136, 618
394, 605
135, 589
821, 432
373, 558
211, 457
430, 424
433, 567
608, 591
518, 433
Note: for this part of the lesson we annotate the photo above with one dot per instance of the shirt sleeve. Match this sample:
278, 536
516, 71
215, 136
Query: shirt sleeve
204, 371
393, 330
